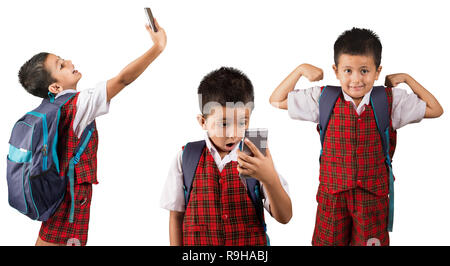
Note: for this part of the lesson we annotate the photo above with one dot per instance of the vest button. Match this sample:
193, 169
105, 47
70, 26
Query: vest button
225, 217
221, 180
359, 183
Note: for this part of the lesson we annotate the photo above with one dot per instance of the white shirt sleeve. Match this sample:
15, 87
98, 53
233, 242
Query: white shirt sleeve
91, 103
285, 186
407, 108
172, 197
304, 104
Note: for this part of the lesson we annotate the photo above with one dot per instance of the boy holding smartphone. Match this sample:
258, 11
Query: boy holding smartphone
47, 75
219, 210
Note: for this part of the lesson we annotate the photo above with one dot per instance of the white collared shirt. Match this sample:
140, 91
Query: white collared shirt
91, 103
407, 107
172, 197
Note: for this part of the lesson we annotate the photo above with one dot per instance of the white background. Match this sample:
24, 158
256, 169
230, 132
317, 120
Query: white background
153, 117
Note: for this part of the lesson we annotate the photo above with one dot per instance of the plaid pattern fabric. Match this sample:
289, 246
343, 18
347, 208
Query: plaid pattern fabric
352, 154
354, 217
58, 230
220, 211
86, 169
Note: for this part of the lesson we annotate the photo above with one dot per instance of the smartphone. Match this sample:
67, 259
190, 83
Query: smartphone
257, 136
151, 20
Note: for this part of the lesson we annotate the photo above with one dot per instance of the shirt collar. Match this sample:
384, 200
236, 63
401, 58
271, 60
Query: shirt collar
65, 92
231, 156
365, 100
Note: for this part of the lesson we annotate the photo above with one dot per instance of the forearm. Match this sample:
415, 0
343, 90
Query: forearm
176, 228
280, 203
280, 94
433, 109
132, 71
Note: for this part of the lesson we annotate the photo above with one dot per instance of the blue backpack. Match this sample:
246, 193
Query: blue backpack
190, 159
35, 187
380, 105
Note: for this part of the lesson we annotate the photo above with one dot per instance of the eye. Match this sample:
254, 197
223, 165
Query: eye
347, 70
364, 71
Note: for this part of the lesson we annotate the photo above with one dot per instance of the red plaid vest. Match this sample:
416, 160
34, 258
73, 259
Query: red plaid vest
219, 211
86, 169
352, 154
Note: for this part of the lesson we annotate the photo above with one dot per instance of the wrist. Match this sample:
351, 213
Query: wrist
157, 47
301, 68
271, 180
407, 78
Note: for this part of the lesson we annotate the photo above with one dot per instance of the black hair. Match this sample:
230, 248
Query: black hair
358, 42
225, 85
34, 77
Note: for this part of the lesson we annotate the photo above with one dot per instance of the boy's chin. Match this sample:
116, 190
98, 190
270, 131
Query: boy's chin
356, 94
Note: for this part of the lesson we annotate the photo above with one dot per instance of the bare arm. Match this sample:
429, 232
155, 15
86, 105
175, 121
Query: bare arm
261, 167
176, 228
279, 96
433, 109
133, 70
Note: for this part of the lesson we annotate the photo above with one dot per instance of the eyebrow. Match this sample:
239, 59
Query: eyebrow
364, 66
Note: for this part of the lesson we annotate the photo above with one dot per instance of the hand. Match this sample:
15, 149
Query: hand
394, 79
159, 38
257, 166
311, 72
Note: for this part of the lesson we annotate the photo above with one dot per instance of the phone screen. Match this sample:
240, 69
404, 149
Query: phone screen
257, 136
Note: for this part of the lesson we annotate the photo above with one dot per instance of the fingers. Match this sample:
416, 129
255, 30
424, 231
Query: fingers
147, 27
245, 157
253, 148
245, 165
244, 171
156, 23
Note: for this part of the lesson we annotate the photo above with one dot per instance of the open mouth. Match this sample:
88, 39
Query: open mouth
229, 145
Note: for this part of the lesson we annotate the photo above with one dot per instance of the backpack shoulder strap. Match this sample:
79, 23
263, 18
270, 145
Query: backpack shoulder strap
61, 100
190, 158
327, 100
380, 105
253, 189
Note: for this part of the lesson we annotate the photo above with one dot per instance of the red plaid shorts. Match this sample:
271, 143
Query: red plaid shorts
57, 229
354, 217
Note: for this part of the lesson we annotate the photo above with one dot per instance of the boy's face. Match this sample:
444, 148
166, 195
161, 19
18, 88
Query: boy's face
226, 126
63, 71
357, 73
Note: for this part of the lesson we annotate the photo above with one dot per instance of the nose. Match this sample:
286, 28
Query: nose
235, 131
356, 77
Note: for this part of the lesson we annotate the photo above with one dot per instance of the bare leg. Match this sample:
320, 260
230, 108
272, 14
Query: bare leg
40, 242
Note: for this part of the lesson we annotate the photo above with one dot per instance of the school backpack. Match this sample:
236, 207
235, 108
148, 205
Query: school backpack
380, 105
190, 159
35, 187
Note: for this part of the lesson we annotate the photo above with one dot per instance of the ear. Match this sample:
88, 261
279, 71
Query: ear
335, 70
378, 72
201, 121
55, 88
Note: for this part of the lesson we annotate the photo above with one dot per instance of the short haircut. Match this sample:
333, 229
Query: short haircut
225, 85
358, 42
34, 77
